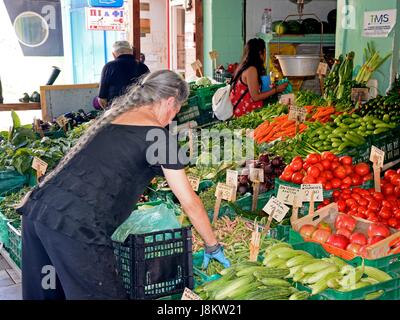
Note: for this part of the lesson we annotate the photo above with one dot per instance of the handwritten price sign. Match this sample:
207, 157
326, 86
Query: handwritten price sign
194, 182
277, 208
290, 196
377, 156
225, 192
309, 189
297, 114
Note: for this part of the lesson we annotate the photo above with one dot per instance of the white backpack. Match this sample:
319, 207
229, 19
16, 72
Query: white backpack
222, 105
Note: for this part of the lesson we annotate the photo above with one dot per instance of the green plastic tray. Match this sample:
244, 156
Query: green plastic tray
205, 96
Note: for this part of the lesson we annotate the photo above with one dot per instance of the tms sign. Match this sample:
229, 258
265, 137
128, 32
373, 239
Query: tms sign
379, 23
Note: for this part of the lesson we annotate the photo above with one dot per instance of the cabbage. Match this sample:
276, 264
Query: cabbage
204, 82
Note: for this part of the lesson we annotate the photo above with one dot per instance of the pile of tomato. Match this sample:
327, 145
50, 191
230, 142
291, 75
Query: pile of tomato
390, 184
327, 169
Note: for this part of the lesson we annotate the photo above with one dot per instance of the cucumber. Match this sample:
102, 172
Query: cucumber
380, 130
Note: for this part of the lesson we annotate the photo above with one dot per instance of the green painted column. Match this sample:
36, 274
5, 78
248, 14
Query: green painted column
350, 37
223, 20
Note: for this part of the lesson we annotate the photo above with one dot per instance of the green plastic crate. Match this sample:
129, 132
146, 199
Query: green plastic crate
388, 264
359, 154
4, 230
205, 96
388, 142
15, 241
189, 111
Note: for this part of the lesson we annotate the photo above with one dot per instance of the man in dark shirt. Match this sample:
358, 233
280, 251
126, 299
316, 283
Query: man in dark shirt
117, 75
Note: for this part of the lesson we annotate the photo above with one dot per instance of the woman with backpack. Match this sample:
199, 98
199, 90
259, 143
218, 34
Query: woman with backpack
246, 95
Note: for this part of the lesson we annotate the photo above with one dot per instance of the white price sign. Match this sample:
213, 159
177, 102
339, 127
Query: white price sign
197, 65
256, 175
232, 178
39, 165
322, 69
277, 208
308, 189
194, 182
287, 99
189, 295
225, 192
377, 156
297, 114
290, 196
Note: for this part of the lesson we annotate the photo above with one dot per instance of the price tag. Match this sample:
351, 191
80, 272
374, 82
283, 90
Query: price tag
276, 208
194, 182
290, 196
232, 178
377, 156
287, 99
189, 295
256, 175
197, 65
308, 189
359, 94
213, 55
297, 114
322, 69
225, 192
39, 165
62, 121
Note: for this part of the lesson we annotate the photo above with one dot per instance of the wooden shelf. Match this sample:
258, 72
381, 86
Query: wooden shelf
20, 106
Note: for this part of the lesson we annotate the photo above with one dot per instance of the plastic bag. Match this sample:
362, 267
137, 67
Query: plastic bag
11, 182
266, 84
158, 218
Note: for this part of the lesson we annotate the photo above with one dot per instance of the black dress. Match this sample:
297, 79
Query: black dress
69, 221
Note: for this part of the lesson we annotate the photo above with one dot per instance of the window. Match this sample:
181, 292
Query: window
31, 29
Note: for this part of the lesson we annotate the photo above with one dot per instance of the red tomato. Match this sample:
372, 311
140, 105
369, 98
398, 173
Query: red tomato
296, 165
339, 172
356, 196
335, 164
338, 240
286, 176
392, 222
362, 210
321, 235
396, 214
321, 180
353, 247
389, 174
306, 165
297, 177
327, 155
297, 158
347, 180
395, 179
369, 213
346, 160
368, 177
326, 164
348, 169
347, 191
341, 205
385, 213
345, 186
350, 203
387, 204
313, 158
328, 186
309, 180
374, 205
356, 180
378, 196
375, 239
345, 221
344, 232
397, 191
398, 171
307, 230
336, 194
373, 218
336, 183
378, 229
363, 202
313, 171
388, 189
328, 175
362, 169
359, 238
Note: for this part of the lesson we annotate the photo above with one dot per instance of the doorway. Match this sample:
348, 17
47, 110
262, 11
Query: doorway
177, 48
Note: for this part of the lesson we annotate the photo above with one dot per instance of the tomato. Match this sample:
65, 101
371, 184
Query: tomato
347, 191
324, 226
347, 180
296, 165
344, 232
389, 174
322, 180
313, 158
365, 194
307, 230
341, 205
297, 158
306, 165
345, 186
387, 204
328, 186
339, 172
374, 205
392, 222
388, 189
348, 169
362, 169
286, 176
396, 214
326, 164
346, 160
362, 210
336, 183
378, 196
397, 191
327, 155
356, 180
375, 239
335, 164
309, 180
321, 235
328, 175
313, 171
359, 238
378, 229
350, 203
373, 218
353, 247
385, 213
345, 221
356, 196
363, 202
338, 240
336, 194
297, 177
369, 213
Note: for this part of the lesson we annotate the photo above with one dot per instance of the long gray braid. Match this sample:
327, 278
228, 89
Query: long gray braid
151, 89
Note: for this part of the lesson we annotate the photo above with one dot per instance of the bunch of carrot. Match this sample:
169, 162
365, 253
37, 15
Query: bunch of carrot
323, 114
280, 127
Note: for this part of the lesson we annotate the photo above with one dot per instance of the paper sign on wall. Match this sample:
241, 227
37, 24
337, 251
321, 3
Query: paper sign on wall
377, 156
379, 24
308, 189
288, 195
276, 207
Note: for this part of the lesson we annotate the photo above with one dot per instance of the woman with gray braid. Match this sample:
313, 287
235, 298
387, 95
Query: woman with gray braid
68, 219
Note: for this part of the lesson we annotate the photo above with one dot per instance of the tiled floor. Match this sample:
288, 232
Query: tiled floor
10, 282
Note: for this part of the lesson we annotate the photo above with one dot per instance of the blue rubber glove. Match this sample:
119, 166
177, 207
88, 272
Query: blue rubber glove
218, 255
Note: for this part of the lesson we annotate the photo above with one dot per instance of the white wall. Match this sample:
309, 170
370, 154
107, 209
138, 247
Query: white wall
280, 9
154, 45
